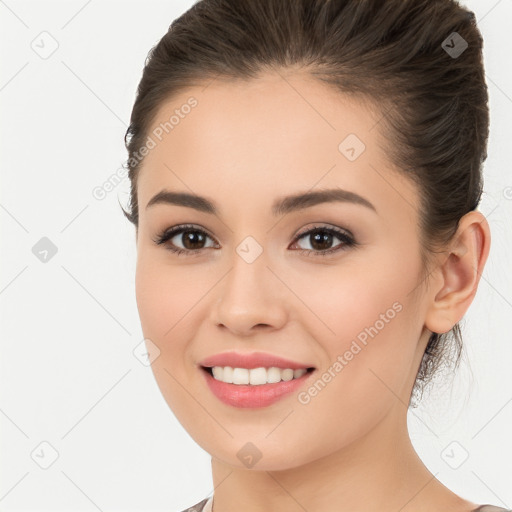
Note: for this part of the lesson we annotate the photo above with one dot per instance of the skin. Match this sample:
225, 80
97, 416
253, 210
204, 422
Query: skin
349, 445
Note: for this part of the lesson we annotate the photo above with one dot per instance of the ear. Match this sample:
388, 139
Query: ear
459, 273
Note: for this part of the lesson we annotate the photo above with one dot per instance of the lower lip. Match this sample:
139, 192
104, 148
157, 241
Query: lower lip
263, 395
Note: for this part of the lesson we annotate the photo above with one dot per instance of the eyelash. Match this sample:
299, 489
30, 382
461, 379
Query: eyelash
169, 233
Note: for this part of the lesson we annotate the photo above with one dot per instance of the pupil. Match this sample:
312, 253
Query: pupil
193, 237
318, 239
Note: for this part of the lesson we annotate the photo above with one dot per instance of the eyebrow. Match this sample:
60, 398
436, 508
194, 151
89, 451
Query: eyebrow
281, 206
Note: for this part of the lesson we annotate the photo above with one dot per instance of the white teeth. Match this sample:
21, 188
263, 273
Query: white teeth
255, 376
273, 375
299, 373
227, 375
240, 376
287, 374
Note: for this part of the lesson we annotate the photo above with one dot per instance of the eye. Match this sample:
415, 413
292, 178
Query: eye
319, 237
190, 236
193, 240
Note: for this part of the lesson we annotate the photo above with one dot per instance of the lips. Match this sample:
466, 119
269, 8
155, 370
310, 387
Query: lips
252, 360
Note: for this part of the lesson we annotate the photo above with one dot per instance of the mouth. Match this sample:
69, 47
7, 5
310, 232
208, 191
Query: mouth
255, 376
252, 390
253, 379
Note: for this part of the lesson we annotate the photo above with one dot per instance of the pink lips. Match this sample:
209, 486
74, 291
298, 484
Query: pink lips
248, 396
251, 360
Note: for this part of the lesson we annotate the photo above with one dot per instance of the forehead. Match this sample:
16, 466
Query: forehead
272, 135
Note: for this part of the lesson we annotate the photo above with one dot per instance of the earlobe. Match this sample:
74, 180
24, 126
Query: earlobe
460, 269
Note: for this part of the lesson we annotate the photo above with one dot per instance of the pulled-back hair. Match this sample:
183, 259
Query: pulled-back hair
402, 55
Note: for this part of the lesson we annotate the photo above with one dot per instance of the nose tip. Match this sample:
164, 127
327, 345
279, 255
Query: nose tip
247, 302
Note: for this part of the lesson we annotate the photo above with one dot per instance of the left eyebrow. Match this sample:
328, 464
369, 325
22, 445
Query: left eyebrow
300, 201
281, 206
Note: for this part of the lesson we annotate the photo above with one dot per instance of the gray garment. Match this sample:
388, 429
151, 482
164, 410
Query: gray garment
491, 508
198, 507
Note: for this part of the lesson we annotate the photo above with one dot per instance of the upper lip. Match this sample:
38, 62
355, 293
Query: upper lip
252, 360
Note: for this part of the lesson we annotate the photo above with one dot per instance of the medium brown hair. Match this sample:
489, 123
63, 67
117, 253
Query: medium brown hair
396, 54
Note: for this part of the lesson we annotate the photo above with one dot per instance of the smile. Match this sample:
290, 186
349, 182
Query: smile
255, 387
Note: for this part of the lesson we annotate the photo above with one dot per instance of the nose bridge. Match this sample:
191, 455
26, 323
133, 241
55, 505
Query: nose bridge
249, 294
246, 283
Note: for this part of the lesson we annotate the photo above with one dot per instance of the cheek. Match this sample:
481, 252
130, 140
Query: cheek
165, 300
347, 302
369, 328
154, 299
165, 297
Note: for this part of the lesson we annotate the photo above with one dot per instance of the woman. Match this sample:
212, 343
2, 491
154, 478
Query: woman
305, 181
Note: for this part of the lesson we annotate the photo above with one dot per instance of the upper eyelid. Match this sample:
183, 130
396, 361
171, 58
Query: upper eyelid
327, 227
179, 229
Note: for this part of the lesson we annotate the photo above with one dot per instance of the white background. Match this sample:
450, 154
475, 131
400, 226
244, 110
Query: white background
69, 326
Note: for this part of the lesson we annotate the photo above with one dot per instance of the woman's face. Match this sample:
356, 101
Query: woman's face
357, 314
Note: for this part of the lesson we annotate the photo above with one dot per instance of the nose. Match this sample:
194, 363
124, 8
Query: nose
250, 298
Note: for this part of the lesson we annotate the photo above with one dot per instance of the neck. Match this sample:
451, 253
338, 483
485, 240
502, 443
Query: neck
379, 471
